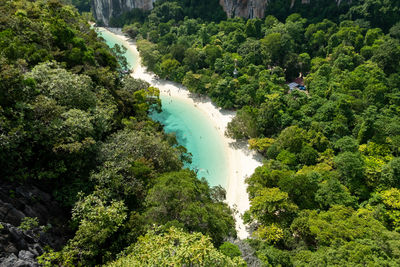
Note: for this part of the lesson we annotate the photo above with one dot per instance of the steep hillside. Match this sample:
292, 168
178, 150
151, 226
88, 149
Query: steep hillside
84, 170
104, 10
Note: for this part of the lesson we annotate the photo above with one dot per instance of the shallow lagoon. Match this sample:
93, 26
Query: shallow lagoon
192, 129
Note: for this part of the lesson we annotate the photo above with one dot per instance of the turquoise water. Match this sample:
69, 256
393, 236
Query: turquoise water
195, 132
192, 128
111, 41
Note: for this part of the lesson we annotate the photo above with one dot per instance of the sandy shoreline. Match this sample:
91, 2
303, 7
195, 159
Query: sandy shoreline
241, 161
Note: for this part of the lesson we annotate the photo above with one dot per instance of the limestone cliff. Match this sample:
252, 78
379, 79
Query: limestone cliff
244, 8
254, 8
20, 247
104, 10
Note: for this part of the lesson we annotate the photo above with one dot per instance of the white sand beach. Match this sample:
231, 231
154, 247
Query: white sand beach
242, 161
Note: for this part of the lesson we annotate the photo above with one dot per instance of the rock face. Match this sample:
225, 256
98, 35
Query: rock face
244, 8
21, 247
254, 8
104, 10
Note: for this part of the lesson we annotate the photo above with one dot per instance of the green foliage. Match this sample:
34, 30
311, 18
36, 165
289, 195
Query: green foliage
230, 250
272, 256
204, 9
271, 205
180, 198
391, 199
148, 53
261, 144
28, 223
356, 237
82, 5
327, 193
332, 192
270, 233
98, 220
351, 168
73, 124
242, 125
346, 143
175, 248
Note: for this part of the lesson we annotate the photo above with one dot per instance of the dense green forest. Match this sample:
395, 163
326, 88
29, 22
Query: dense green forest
328, 192
75, 126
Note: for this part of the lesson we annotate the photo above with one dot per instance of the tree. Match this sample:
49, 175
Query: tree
390, 174
212, 52
164, 12
174, 247
179, 198
261, 144
149, 53
386, 54
267, 175
331, 192
230, 250
269, 119
70, 90
192, 58
97, 220
351, 169
301, 189
250, 50
391, 199
274, 48
194, 82
292, 139
308, 155
75, 132
359, 252
346, 143
341, 224
271, 205
169, 69
129, 160
253, 28
243, 125
287, 158
395, 31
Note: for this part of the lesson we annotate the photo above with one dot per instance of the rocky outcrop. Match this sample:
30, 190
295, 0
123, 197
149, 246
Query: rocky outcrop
21, 247
244, 8
104, 10
254, 8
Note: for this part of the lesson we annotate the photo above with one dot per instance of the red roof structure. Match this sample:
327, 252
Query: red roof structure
299, 81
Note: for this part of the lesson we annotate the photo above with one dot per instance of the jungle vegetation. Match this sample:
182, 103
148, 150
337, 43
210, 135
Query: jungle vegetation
73, 124
328, 192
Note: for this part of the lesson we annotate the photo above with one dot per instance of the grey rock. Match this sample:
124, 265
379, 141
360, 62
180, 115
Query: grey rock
10, 248
21, 247
10, 214
26, 255
38, 248
104, 10
9, 261
18, 237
